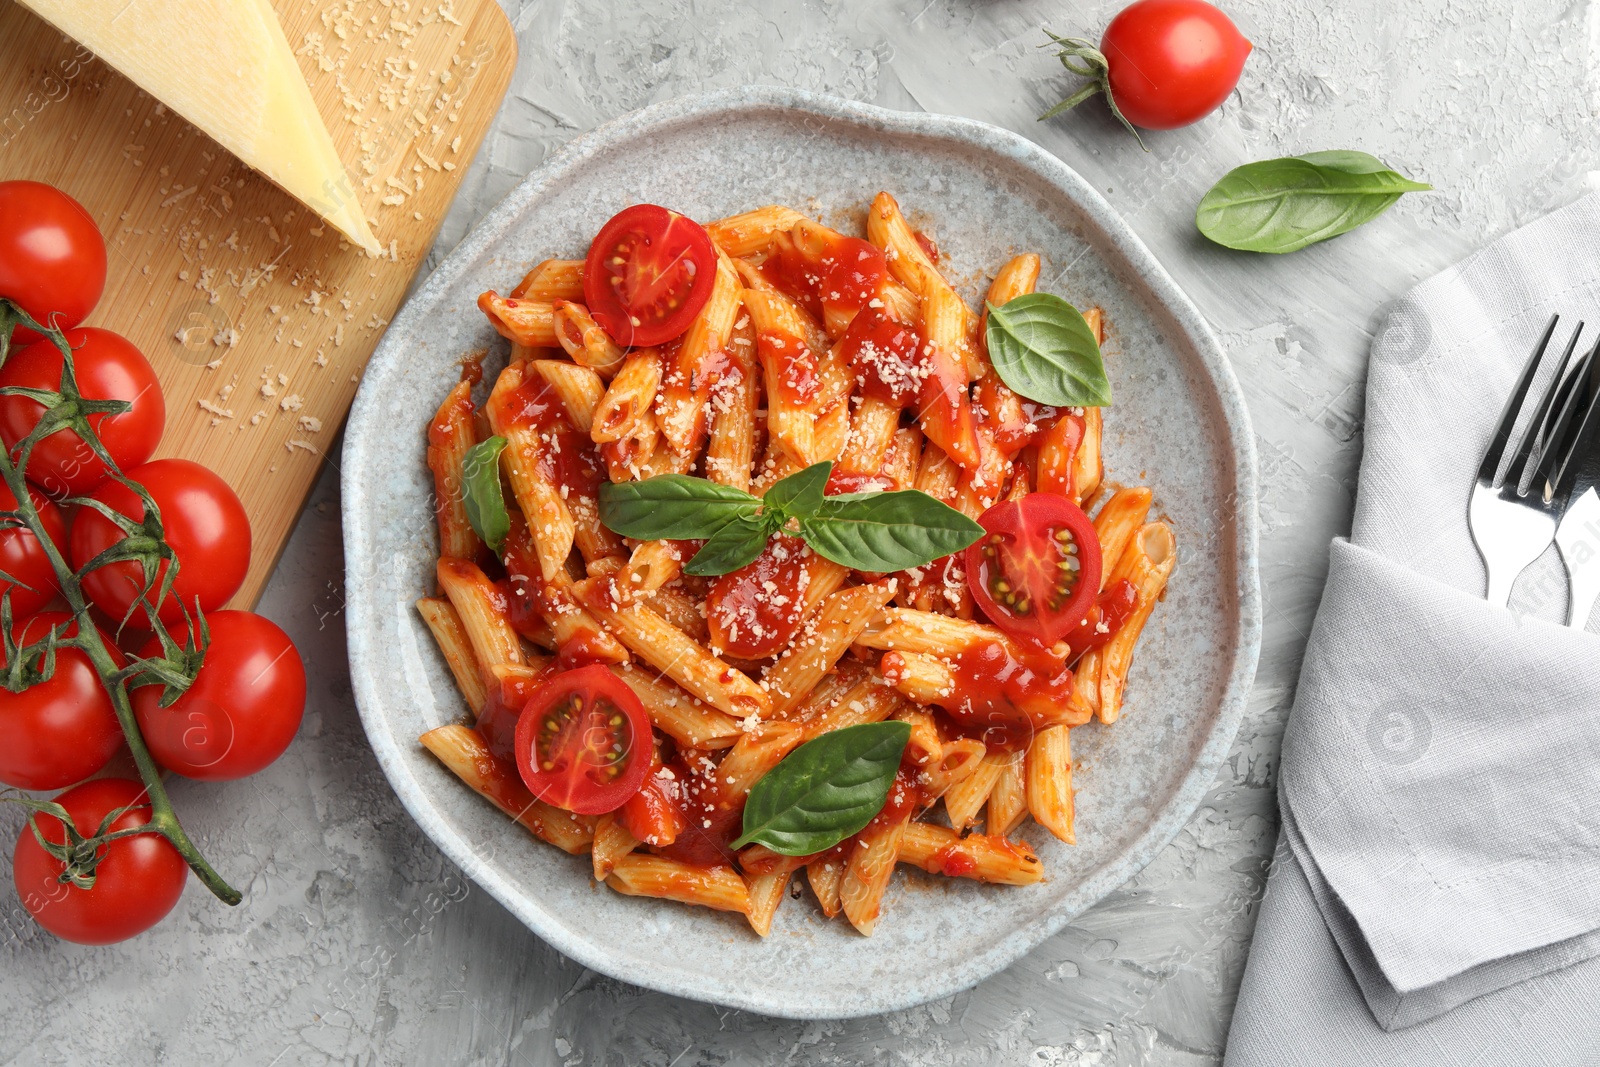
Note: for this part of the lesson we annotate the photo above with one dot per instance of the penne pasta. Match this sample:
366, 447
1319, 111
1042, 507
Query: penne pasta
481, 611
612, 841
838, 622
640, 875
981, 857
552, 280
585, 340
1048, 781
461, 750
445, 625
674, 653
688, 720
1147, 563
530, 323
784, 344
868, 867
450, 438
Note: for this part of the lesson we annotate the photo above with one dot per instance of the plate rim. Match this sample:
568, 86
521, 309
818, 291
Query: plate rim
1165, 295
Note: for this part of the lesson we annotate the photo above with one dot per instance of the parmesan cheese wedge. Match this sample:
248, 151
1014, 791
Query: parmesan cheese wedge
226, 66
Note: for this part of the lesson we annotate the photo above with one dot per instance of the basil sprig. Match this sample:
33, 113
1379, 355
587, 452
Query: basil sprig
876, 532
825, 790
1283, 205
1043, 349
481, 493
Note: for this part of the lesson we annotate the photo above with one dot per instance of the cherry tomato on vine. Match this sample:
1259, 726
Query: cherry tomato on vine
23, 557
205, 524
1172, 62
1036, 570
52, 257
59, 731
649, 272
137, 880
108, 368
242, 710
583, 741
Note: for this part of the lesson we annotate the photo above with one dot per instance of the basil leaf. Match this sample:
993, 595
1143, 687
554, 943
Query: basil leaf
1283, 205
1043, 349
800, 494
887, 531
825, 790
481, 492
672, 506
738, 542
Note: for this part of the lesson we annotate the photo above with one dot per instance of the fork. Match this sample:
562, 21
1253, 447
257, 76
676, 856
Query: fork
1511, 525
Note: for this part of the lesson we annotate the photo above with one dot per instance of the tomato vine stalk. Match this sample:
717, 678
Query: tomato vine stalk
145, 544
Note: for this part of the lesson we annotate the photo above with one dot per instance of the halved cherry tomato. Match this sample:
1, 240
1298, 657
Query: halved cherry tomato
108, 367
648, 273
583, 741
1036, 570
52, 257
23, 557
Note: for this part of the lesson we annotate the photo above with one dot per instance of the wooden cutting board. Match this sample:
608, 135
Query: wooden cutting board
257, 317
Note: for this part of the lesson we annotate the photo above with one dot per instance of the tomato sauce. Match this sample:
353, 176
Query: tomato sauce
756, 610
1111, 609
843, 276
1001, 695
711, 820
497, 723
843, 481
533, 404
795, 362
953, 862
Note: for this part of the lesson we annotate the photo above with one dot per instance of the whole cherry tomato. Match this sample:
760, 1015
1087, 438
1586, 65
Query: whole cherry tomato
23, 557
137, 880
52, 257
108, 367
242, 710
1163, 63
204, 522
62, 730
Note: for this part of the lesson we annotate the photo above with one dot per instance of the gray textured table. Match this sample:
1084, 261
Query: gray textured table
359, 944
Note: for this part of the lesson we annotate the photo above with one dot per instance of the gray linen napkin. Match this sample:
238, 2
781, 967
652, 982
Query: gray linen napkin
1438, 877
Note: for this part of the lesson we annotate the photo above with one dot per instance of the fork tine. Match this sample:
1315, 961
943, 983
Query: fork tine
1554, 442
1576, 454
1508, 415
1527, 451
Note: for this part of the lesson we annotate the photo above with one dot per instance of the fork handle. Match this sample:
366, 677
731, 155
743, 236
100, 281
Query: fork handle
1500, 583
1584, 589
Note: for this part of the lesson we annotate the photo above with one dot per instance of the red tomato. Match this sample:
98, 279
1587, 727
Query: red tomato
649, 272
136, 883
1172, 62
583, 741
52, 257
108, 368
23, 557
60, 731
205, 525
242, 710
1036, 570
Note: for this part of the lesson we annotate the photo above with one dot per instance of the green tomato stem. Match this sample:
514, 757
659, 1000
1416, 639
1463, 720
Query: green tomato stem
163, 819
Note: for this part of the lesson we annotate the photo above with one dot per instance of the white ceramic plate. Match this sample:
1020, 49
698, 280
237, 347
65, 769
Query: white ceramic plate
1179, 424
